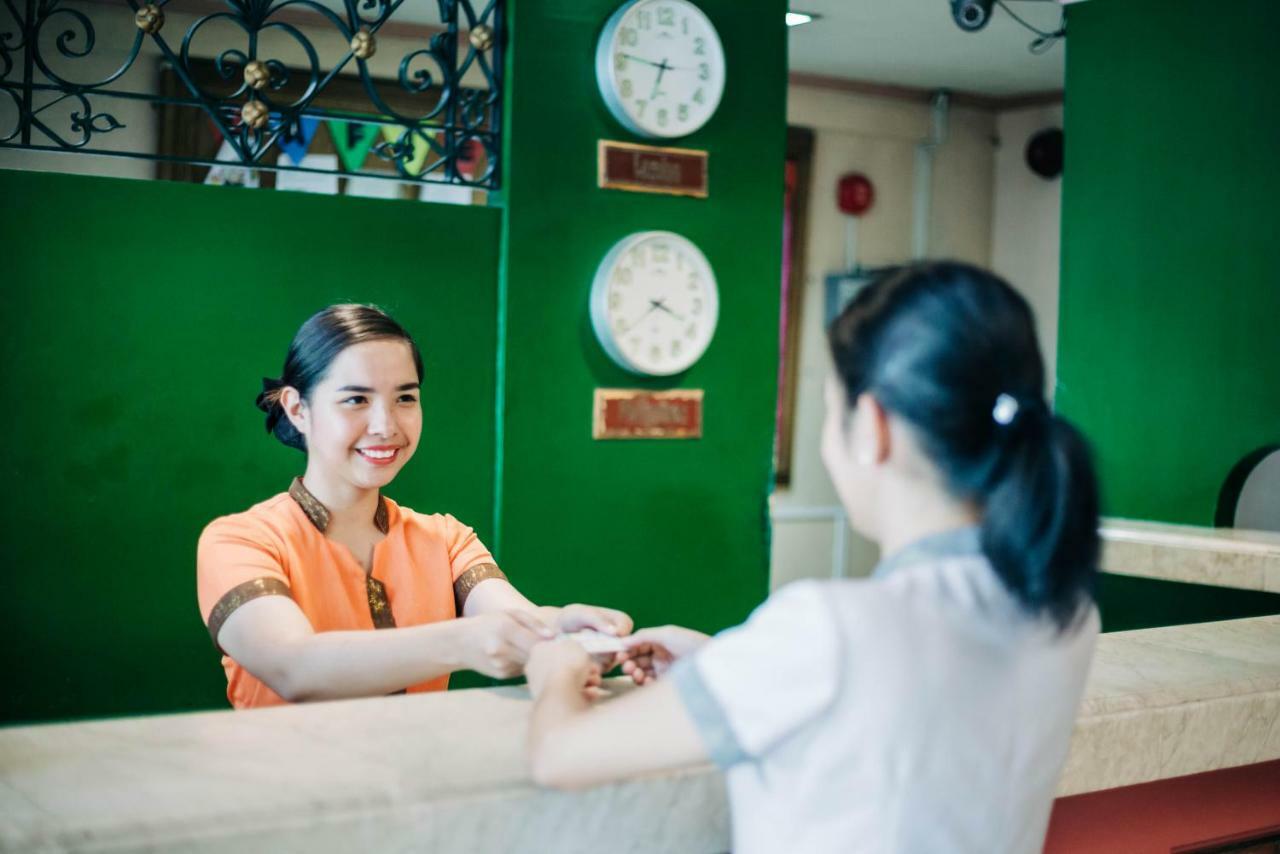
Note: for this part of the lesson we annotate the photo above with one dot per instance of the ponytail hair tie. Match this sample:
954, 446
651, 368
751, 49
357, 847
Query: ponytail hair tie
269, 401
1008, 409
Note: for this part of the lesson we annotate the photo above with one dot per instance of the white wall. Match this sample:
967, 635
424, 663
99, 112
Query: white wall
1026, 228
876, 136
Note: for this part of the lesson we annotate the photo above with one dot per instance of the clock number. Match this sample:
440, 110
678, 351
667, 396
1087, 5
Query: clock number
675, 348
684, 26
667, 17
693, 281
662, 118
704, 71
635, 343
683, 113
640, 105
655, 353
697, 96
620, 62
625, 88
623, 276
691, 331
661, 253
697, 306
628, 36
637, 256
644, 20
615, 300
700, 47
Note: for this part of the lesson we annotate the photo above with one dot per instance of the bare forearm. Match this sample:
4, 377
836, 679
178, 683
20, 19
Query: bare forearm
552, 720
573, 744
337, 665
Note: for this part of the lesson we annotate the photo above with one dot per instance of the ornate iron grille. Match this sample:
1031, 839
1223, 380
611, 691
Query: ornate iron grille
436, 124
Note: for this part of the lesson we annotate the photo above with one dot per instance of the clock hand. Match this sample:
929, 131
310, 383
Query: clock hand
636, 322
660, 304
668, 66
645, 61
662, 69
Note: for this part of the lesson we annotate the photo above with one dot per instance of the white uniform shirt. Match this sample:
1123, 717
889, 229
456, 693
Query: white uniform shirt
921, 710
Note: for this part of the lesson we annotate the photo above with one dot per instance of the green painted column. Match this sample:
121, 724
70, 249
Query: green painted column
674, 531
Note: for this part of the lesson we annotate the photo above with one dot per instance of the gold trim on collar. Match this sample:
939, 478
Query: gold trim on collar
379, 607
239, 595
319, 514
470, 579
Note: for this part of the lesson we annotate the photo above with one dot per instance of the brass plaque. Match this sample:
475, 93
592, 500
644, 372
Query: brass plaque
622, 413
649, 169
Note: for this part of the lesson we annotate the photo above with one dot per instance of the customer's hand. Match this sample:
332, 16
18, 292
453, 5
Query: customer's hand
562, 663
650, 652
498, 644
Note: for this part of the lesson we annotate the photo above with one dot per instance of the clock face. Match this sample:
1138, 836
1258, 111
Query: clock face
654, 303
660, 67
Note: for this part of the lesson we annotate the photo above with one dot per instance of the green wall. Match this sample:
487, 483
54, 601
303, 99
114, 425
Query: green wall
674, 530
142, 315
1169, 349
140, 318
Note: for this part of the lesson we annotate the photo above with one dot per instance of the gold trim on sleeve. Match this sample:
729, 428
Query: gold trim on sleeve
468, 580
237, 596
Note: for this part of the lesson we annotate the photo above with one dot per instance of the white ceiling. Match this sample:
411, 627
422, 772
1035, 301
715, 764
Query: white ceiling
916, 43
898, 42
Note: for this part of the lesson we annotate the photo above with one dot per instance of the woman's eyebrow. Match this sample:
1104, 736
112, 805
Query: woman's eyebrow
366, 390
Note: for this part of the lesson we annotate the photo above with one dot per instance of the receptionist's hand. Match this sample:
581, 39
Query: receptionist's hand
564, 664
650, 652
497, 644
573, 618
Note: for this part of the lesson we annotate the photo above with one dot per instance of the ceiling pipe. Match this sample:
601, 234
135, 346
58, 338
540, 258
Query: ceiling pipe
926, 150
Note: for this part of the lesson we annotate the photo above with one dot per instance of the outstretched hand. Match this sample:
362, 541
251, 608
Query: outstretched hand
651, 652
562, 663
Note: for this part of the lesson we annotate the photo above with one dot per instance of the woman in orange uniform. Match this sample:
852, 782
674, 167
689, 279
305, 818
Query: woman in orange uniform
293, 588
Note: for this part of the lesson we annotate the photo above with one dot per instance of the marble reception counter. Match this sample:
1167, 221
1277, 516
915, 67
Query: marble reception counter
446, 772
1221, 557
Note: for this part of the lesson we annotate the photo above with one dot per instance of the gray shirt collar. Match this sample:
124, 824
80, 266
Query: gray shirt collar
958, 542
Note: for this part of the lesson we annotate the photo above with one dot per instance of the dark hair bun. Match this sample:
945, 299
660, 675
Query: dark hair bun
278, 425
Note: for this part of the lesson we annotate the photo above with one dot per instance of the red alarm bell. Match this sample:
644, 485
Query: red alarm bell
855, 194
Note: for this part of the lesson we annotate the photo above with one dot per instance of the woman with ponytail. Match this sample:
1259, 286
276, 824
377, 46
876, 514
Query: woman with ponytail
332, 590
930, 706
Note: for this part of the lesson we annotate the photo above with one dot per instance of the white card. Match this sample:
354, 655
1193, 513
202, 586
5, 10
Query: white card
596, 643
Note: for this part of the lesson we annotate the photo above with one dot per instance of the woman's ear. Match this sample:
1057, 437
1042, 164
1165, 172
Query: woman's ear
871, 436
295, 408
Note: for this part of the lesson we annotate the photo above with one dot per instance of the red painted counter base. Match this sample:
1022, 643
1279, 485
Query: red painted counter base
1182, 814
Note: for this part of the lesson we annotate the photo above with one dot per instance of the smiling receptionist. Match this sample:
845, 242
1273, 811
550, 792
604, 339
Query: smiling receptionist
293, 589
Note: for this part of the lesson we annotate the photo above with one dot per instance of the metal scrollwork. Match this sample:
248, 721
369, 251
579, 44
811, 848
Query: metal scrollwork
434, 129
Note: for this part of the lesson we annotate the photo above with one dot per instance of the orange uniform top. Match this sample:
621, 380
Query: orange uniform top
422, 571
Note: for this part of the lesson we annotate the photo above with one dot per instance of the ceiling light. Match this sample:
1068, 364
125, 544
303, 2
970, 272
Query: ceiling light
795, 19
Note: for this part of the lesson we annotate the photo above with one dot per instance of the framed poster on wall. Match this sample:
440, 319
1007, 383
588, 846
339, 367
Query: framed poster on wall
794, 243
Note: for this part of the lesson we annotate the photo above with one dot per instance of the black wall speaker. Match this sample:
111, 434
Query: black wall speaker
1044, 152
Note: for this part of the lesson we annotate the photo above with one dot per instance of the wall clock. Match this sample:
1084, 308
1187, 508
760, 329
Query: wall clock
654, 303
660, 67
